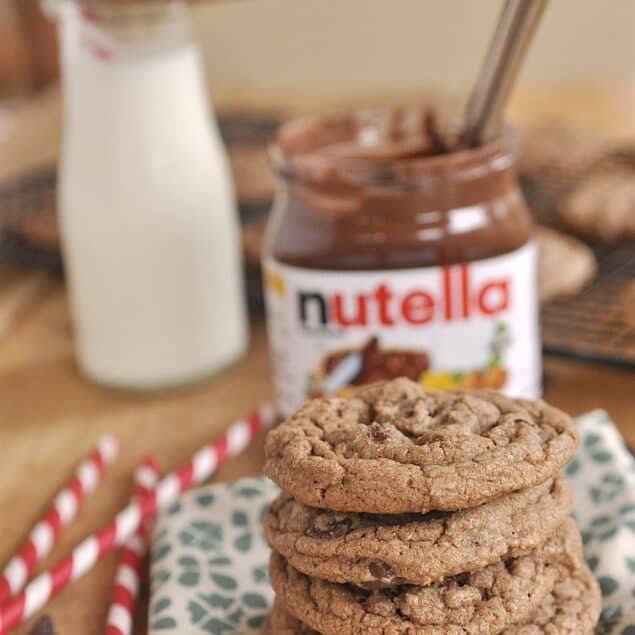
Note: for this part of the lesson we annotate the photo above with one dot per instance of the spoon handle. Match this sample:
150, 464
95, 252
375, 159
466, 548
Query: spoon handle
516, 27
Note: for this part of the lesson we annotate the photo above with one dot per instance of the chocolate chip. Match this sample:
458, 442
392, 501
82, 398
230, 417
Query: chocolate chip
462, 579
381, 571
378, 433
43, 626
326, 527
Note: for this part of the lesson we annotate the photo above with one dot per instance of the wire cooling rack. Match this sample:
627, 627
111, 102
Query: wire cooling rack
591, 325
29, 198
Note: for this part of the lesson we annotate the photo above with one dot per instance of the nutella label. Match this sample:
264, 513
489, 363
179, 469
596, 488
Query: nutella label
472, 325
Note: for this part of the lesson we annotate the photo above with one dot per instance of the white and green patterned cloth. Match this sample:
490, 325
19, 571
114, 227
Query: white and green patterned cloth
602, 476
209, 563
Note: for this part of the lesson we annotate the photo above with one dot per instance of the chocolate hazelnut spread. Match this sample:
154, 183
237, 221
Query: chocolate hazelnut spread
380, 233
380, 364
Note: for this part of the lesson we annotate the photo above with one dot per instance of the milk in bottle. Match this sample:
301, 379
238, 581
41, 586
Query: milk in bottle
147, 208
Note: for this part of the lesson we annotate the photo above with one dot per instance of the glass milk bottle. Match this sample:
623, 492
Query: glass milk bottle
148, 213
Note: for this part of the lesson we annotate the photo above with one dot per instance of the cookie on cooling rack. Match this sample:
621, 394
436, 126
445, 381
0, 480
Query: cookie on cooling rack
566, 264
602, 206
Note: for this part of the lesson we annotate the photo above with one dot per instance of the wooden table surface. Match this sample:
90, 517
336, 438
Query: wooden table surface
50, 417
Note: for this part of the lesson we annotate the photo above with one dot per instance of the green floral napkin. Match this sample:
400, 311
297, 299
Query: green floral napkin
210, 560
602, 476
209, 564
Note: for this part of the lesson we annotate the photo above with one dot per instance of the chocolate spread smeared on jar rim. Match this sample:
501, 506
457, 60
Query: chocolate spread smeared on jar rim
398, 145
370, 191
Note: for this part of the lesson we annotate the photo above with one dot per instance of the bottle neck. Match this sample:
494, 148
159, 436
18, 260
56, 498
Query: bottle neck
114, 31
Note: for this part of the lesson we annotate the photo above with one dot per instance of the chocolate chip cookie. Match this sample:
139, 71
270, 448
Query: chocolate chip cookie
483, 602
602, 206
572, 608
281, 622
566, 264
558, 151
375, 551
394, 449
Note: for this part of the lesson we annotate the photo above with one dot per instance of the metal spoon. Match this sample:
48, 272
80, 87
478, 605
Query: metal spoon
515, 29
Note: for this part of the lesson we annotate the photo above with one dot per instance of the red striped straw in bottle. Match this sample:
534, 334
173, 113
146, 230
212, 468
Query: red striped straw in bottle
62, 512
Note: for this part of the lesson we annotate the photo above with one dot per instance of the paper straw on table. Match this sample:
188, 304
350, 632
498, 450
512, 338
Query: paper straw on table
200, 467
120, 620
63, 510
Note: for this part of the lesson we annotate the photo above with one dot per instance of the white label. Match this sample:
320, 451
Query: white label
469, 325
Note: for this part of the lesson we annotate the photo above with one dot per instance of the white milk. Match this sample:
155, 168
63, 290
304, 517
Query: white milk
148, 217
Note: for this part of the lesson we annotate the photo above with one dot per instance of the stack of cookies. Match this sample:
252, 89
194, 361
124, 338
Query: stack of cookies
412, 512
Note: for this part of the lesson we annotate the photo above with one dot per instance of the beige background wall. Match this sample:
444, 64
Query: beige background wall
353, 46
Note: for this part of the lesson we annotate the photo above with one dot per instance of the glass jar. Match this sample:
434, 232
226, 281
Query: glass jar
385, 258
148, 215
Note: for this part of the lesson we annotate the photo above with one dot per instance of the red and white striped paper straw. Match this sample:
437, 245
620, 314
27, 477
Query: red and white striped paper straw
200, 467
63, 510
120, 620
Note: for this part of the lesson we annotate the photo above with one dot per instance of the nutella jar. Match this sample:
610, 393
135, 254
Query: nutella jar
387, 255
